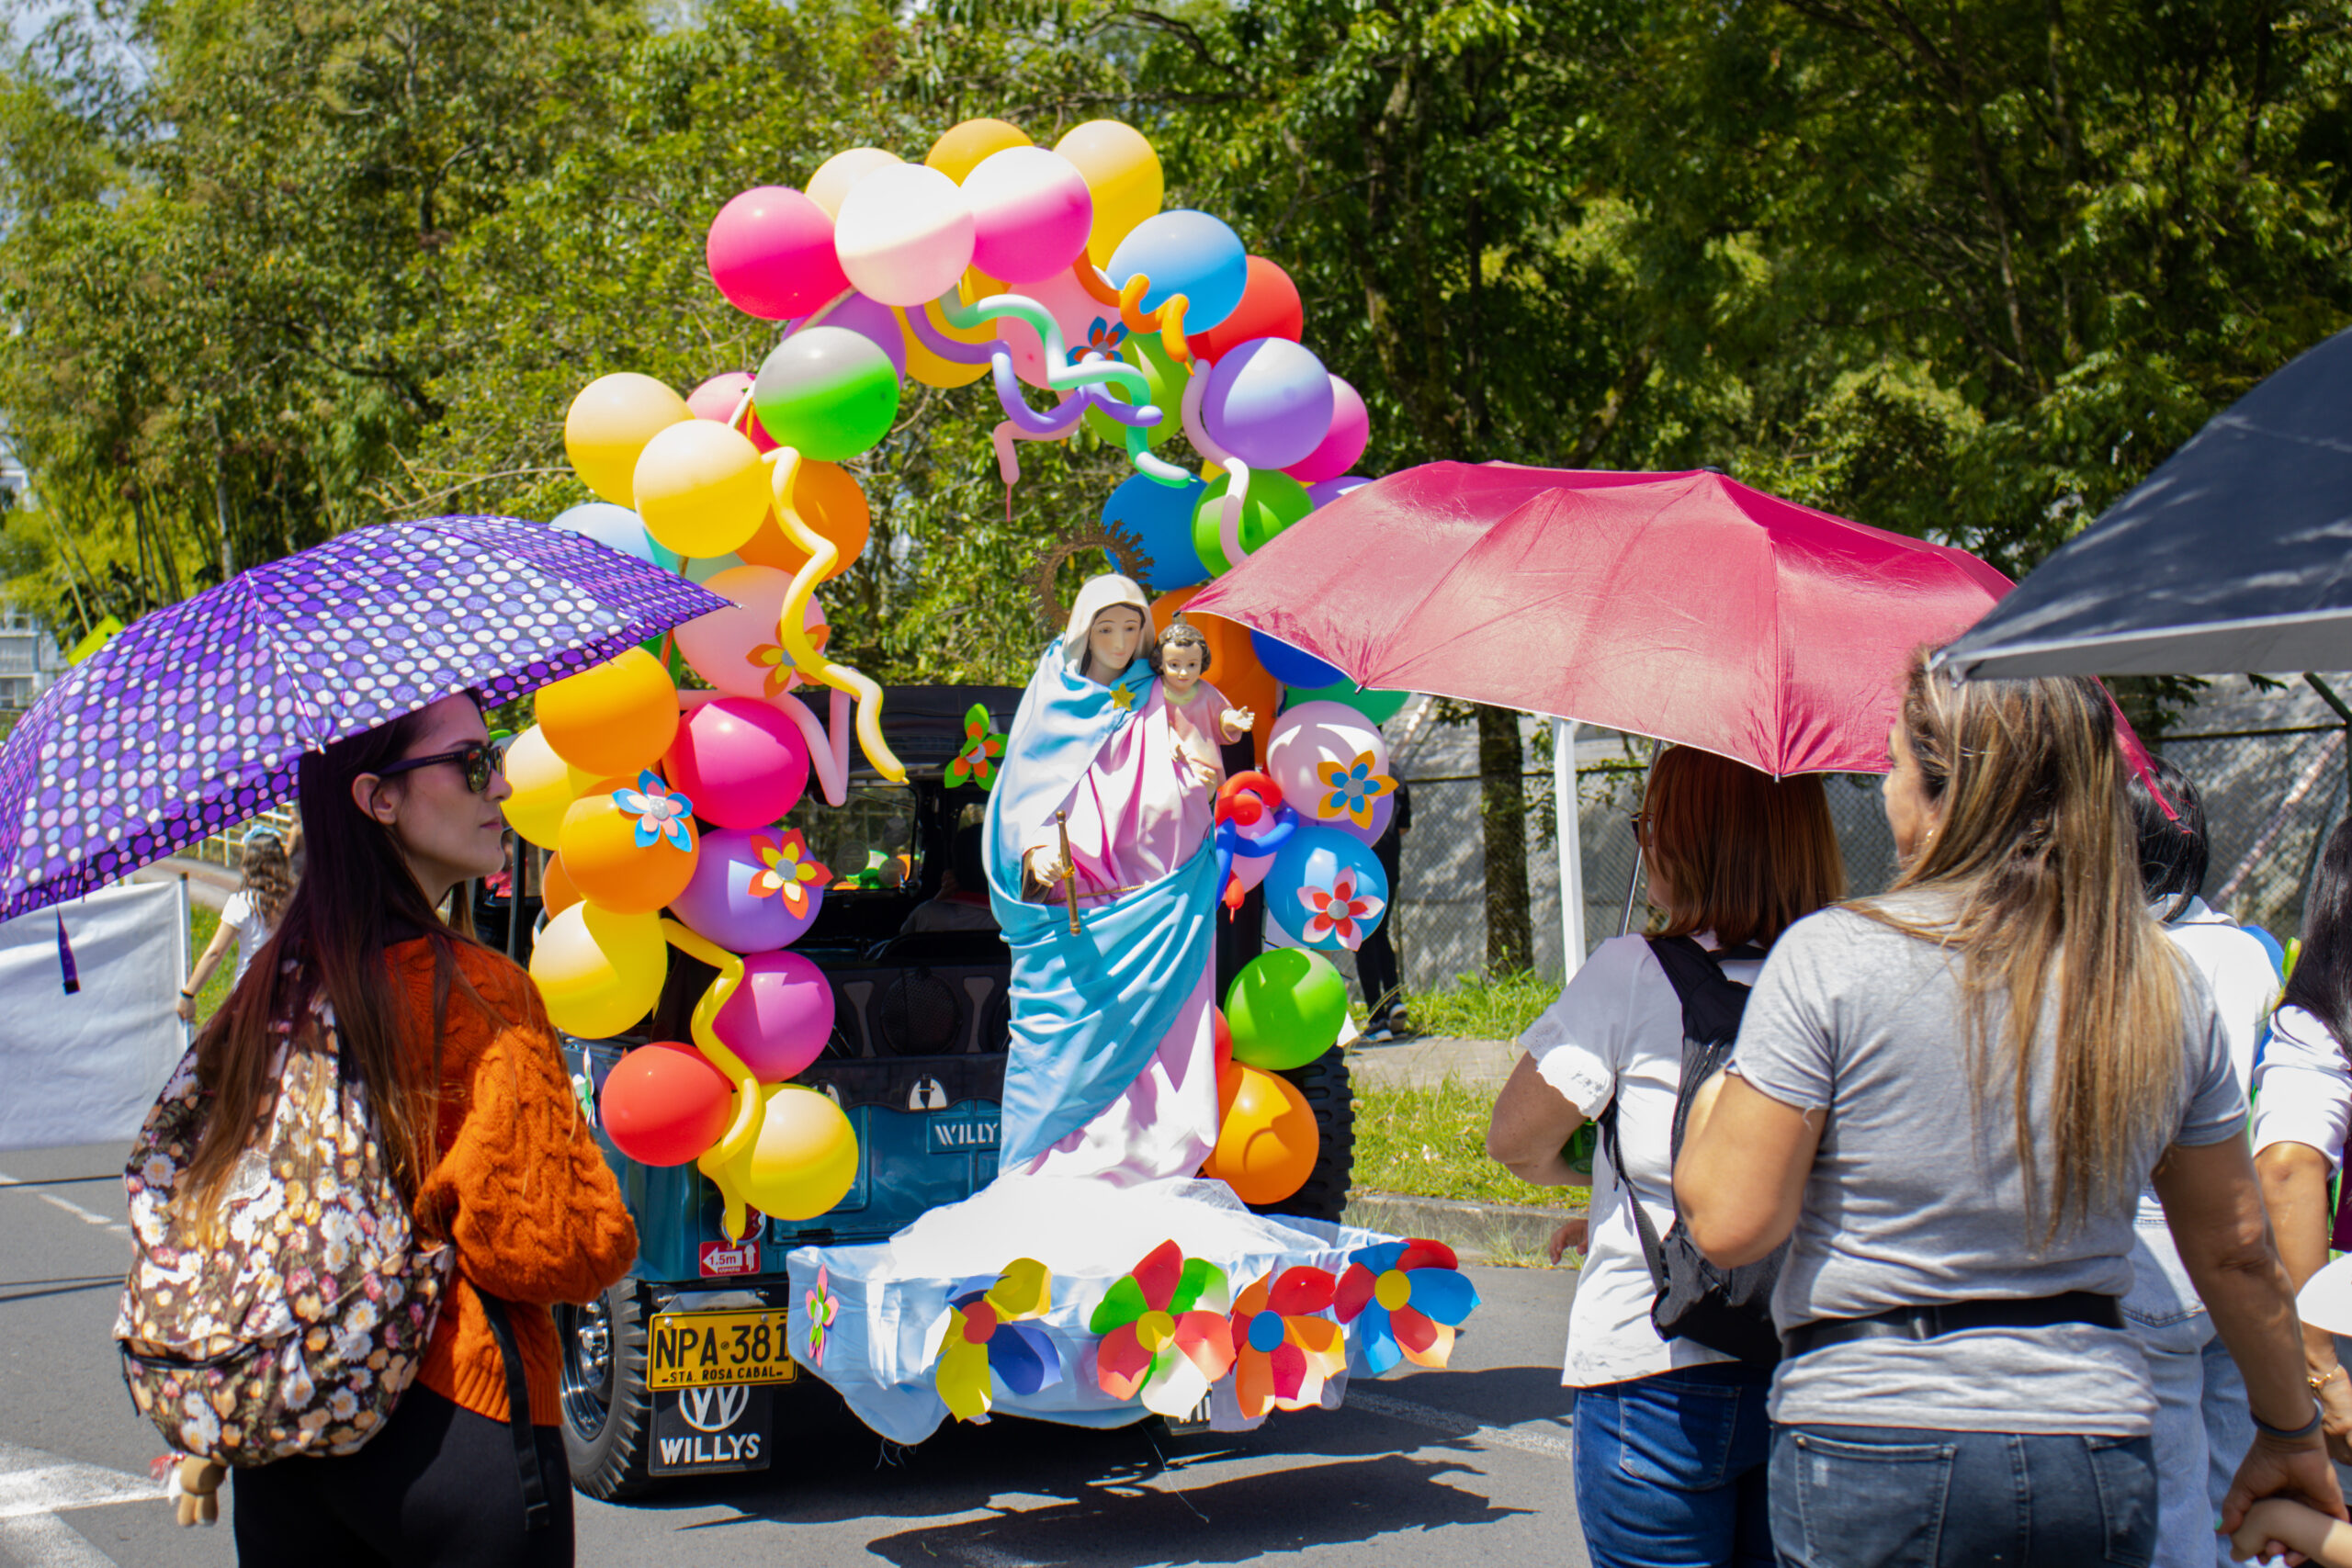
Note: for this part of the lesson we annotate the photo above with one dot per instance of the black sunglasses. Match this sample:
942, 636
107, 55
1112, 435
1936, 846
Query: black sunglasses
480, 759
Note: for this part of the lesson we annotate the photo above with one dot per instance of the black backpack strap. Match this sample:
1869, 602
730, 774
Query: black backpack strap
538, 1514
1713, 1005
1652, 1253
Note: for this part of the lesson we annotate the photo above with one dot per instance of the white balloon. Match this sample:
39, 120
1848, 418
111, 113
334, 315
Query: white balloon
1313, 734
836, 175
904, 234
616, 528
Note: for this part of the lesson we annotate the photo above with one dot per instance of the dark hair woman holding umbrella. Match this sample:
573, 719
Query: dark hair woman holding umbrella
1947, 1099
470, 1090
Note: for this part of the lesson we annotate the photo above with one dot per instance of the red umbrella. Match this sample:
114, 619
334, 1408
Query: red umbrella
1686, 605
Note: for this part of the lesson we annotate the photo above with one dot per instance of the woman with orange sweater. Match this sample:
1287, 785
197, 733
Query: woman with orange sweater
471, 1098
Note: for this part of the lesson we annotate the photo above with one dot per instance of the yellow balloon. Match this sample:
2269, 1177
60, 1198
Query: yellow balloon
598, 971
604, 861
1122, 174
959, 151
928, 368
837, 174
701, 487
610, 422
613, 719
544, 786
805, 1159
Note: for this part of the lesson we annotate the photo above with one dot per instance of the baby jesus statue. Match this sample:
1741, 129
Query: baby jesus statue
1196, 710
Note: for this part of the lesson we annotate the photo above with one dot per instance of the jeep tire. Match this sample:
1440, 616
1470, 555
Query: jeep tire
1324, 1083
607, 1410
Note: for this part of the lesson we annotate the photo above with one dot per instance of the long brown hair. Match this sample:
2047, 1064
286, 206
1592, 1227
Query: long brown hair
1745, 856
2037, 852
357, 898
268, 875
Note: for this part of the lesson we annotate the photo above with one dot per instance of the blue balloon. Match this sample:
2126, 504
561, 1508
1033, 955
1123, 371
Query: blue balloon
1161, 517
1309, 873
618, 528
1184, 252
1292, 667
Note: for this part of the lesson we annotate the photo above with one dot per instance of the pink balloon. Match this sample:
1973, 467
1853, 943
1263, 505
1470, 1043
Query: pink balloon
1331, 490
868, 319
780, 1018
737, 902
1030, 211
771, 252
741, 761
1342, 444
1084, 321
716, 399
735, 649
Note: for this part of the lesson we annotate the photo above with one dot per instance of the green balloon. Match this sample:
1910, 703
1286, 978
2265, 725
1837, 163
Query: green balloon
827, 392
1378, 706
1275, 502
1144, 352
1285, 1009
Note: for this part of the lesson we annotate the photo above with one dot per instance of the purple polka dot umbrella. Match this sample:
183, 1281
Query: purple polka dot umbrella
194, 719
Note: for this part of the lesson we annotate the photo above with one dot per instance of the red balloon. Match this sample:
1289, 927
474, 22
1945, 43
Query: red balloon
664, 1103
1270, 307
1223, 1034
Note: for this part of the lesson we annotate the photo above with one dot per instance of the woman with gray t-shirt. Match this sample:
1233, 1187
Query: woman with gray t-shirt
1947, 1099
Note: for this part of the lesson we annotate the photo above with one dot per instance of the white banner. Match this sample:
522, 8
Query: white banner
86, 1067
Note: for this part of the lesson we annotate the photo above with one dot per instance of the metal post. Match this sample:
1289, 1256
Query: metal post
1568, 831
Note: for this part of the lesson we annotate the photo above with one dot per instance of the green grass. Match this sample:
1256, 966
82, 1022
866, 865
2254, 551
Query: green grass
1432, 1143
202, 923
1479, 1008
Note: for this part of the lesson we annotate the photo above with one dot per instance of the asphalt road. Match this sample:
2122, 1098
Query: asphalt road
1478, 1451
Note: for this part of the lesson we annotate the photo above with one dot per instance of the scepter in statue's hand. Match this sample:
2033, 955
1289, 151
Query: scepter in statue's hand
1069, 869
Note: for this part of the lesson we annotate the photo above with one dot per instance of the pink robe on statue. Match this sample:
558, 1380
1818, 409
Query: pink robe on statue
1137, 815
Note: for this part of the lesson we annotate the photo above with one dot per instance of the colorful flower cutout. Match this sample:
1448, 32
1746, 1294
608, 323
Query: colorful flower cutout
1164, 1331
1102, 337
787, 870
823, 1308
1405, 1299
1337, 908
982, 746
782, 673
1349, 789
663, 815
1284, 1351
990, 1339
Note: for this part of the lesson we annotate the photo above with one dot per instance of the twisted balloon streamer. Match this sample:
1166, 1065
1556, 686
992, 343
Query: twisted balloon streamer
828, 753
1169, 320
792, 632
1236, 487
717, 1162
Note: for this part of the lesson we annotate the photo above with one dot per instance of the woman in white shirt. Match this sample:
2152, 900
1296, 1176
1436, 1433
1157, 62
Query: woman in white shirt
1670, 1437
249, 917
2303, 1111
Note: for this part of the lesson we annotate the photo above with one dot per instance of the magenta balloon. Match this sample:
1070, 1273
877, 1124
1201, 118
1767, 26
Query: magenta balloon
1030, 212
724, 903
780, 1018
1342, 444
715, 399
741, 761
1331, 490
868, 319
771, 252
1268, 403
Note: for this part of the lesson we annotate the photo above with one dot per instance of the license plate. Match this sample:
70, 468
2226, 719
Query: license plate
709, 1350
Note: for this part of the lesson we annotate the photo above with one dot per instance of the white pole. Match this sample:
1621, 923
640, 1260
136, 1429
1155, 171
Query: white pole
1570, 833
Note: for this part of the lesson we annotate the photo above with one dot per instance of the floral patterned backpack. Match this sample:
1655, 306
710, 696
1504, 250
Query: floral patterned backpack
292, 1321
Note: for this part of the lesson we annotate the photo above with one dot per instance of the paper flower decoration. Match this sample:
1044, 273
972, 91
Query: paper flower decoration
1101, 337
1349, 789
1335, 907
823, 1307
1405, 1299
990, 1339
662, 814
1164, 1331
786, 871
782, 674
982, 746
1282, 1352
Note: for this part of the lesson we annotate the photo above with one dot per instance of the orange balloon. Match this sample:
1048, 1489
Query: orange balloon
556, 891
606, 863
1233, 663
829, 500
615, 718
1268, 1143
959, 151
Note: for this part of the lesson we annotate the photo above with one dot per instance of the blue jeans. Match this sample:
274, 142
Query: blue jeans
1904, 1497
2203, 1427
1670, 1469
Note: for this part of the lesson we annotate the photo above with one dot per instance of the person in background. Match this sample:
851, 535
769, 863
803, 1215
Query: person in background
2304, 1110
962, 902
249, 918
2201, 1425
470, 1095
1950, 1096
1670, 1437
1376, 973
